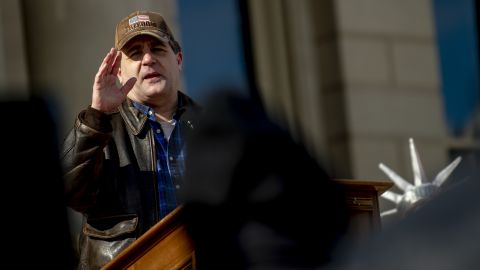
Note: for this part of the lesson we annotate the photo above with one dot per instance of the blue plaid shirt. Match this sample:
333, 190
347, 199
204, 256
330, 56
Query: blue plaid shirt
170, 160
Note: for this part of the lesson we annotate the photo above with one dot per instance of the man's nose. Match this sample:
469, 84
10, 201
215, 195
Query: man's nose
148, 58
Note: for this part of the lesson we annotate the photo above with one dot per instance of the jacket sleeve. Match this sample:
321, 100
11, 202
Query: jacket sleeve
83, 158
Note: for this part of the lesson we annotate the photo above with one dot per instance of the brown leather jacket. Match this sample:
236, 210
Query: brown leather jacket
109, 174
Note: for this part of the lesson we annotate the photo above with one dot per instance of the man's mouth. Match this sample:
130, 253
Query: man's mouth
152, 75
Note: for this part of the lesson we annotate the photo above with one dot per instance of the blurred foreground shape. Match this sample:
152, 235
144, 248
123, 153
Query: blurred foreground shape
254, 198
35, 218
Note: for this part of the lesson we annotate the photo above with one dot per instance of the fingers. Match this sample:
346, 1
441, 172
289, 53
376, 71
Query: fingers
116, 63
128, 85
106, 66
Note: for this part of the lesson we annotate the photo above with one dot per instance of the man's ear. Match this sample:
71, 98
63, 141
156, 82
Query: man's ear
179, 60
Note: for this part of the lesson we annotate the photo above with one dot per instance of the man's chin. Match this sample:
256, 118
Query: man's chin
154, 90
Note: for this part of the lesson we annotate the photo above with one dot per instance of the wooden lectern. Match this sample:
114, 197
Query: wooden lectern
167, 245
362, 202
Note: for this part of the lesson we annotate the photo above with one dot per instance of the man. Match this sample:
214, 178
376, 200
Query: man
124, 158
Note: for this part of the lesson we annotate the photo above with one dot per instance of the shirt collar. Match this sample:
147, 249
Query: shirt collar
150, 113
146, 110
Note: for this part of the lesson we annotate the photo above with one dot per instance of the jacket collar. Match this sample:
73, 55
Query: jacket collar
187, 111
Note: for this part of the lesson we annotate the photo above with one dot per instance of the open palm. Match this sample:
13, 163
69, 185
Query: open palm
107, 95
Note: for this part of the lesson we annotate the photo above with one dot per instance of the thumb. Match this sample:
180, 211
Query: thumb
128, 85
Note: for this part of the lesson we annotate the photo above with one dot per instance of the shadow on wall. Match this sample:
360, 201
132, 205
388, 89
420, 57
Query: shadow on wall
35, 220
254, 199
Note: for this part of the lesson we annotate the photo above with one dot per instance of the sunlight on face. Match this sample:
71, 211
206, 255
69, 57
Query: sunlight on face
154, 64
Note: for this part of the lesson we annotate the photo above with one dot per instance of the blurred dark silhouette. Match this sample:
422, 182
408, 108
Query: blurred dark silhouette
35, 224
254, 198
442, 234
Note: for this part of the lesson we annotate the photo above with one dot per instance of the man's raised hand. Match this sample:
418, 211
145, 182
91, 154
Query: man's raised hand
107, 96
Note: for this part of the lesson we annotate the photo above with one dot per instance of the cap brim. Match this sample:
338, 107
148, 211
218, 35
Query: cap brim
157, 34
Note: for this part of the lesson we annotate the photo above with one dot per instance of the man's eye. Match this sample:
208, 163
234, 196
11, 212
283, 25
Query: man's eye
158, 49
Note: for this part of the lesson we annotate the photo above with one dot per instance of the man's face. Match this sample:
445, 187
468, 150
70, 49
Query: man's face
154, 64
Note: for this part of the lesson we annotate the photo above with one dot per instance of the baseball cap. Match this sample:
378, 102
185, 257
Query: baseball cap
144, 23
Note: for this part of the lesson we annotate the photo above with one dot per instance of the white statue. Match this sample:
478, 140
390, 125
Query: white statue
422, 189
